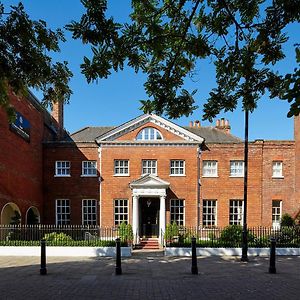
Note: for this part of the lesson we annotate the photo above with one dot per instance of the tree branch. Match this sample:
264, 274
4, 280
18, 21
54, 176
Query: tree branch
167, 74
237, 24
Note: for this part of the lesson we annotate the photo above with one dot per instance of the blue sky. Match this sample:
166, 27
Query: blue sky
114, 101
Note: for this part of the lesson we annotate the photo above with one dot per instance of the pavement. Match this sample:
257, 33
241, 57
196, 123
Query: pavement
149, 275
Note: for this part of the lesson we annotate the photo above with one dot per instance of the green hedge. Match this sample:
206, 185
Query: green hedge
231, 237
63, 243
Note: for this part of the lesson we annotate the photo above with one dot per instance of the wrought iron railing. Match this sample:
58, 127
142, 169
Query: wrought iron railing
231, 236
63, 235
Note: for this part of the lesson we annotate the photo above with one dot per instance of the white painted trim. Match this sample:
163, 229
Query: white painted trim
174, 251
64, 251
152, 118
178, 130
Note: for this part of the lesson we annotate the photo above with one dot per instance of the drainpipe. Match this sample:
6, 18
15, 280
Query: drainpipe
100, 185
198, 185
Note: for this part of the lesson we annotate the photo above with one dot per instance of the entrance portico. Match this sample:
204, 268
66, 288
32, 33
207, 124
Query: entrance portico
154, 189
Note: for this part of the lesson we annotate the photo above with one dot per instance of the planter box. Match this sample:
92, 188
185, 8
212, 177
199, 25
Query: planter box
64, 251
174, 251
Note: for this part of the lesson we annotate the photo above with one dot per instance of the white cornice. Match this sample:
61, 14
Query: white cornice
141, 120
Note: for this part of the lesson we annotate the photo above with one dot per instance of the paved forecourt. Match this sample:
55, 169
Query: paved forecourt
149, 276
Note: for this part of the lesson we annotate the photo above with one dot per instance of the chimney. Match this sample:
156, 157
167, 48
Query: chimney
58, 115
197, 123
223, 125
222, 122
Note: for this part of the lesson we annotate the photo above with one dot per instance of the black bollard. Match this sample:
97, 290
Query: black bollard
118, 257
43, 269
194, 257
272, 268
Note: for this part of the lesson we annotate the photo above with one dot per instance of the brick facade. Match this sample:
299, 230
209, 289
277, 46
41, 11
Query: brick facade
21, 161
27, 176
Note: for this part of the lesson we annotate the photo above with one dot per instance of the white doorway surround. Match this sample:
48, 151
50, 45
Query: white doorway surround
148, 186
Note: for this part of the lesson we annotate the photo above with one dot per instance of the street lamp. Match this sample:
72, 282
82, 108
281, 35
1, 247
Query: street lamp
245, 231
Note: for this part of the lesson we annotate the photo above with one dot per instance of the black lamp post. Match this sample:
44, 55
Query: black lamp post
245, 231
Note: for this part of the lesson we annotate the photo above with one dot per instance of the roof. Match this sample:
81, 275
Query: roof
210, 134
89, 134
213, 135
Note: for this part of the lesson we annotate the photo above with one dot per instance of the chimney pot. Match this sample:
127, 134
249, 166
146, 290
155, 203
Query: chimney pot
218, 123
191, 124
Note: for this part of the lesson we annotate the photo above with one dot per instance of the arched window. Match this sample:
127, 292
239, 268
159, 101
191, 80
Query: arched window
149, 134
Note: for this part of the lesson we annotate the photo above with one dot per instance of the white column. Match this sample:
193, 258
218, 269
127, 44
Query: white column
135, 218
162, 217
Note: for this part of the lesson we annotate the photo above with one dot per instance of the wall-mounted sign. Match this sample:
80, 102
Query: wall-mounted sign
21, 126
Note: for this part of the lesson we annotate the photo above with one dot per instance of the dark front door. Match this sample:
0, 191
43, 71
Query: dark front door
149, 221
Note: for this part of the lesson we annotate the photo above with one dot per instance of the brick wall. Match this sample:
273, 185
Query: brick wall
75, 188
21, 162
225, 188
117, 187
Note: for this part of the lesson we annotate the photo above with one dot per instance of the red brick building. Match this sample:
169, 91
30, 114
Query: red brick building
21, 160
148, 172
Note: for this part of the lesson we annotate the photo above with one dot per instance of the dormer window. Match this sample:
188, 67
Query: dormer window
149, 134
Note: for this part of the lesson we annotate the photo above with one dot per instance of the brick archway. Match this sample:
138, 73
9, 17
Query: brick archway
10, 213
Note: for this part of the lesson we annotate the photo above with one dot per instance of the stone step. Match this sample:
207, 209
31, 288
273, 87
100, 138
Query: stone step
148, 243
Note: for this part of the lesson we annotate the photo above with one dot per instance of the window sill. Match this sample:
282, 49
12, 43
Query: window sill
177, 175
94, 176
277, 177
236, 176
205, 176
62, 175
121, 175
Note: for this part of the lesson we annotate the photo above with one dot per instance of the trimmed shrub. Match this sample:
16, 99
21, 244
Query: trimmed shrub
126, 233
287, 220
59, 239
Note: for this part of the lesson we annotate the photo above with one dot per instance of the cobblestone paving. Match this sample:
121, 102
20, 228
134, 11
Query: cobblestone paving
149, 276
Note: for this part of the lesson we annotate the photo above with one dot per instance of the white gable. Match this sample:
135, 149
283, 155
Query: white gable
141, 120
149, 181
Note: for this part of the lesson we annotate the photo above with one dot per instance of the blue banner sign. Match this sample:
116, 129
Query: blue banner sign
21, 126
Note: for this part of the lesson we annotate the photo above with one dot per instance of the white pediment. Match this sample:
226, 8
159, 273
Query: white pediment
149, 181
152, 118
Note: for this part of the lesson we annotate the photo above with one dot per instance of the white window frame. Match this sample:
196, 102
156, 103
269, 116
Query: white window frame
236, 168
62, 168
277, 169
236, 212
276, 213
149, 166
209, 213
149, 134
65, 211
210, 168
89, 168
89, 211
120, 164
177, 167
175, 204
121, 206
